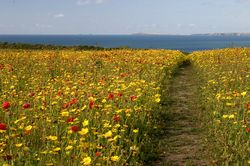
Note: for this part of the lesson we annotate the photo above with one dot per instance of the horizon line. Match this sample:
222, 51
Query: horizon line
140, 33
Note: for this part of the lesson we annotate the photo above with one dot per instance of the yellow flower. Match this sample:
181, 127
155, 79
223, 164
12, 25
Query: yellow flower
231, 116
65, 113
84, 107
6, 165
84, 131
135, 130
243, 94
225, 116
85, 123
92, 98
44, 152
157, 100
52, 138
69, 147
86, 161
20, 120
18, 145
230, 104
57, 149
115, 158
28, 128
54, 103
2, 131
108, 134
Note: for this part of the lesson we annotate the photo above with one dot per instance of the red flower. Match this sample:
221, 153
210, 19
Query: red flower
111, 96
91, 104
123, 74
132, 98
66, 105
26, 105
1, 66
98, 154
248, 105
73, 101
31, 94
248, 129
6, 105
3, 126
117, 118
59, 93
120, 94
70, 119
74, 128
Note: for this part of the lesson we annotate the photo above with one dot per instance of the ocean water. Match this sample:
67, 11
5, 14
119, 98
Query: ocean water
183, 43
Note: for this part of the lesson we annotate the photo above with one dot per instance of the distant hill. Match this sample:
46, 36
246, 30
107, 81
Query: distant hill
202, 34
222, 34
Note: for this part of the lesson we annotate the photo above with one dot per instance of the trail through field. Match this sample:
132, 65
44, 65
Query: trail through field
181, 141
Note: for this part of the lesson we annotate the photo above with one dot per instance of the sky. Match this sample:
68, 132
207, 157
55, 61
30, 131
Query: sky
124, 16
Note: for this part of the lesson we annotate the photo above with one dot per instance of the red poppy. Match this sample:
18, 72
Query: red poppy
59, 93
1, 66
74, 128
6, 105
132, 98
117, 118
31, 94
248, 129
248, 105
70, 119
98, 154
111, 96
26, 105
123, 74
73, 101
65, 105
91, 104
3, 126
120, 94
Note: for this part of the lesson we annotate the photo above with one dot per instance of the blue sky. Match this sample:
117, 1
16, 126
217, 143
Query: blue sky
123, 16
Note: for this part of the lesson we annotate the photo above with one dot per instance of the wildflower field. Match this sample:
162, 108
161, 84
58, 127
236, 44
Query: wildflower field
67, 107
225, 97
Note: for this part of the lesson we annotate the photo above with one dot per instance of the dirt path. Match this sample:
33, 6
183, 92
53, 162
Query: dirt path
181, 143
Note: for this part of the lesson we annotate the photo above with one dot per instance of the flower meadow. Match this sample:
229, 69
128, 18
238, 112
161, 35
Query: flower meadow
65, 107
225, 97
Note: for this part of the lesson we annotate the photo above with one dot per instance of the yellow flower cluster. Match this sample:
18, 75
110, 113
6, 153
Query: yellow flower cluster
66, 107
225, 77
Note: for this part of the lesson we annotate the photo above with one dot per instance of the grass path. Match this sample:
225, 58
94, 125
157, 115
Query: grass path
181, 140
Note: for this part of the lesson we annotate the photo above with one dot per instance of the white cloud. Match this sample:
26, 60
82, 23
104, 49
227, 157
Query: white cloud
58, 15
86, 2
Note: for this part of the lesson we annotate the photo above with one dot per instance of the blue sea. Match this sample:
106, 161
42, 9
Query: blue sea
187, 43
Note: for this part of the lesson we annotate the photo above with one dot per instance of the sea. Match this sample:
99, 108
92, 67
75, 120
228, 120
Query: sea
186, 43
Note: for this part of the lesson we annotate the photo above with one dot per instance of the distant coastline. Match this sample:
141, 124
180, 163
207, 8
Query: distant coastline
186, 43
223, 34
202, 34
138, 34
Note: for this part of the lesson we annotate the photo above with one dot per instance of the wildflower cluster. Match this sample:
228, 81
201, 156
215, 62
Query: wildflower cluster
79, 108
225, 95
